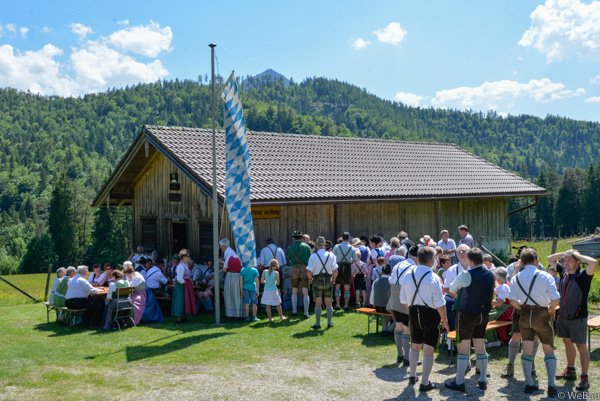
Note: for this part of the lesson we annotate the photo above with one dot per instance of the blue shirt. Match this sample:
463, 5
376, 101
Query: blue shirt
249, 275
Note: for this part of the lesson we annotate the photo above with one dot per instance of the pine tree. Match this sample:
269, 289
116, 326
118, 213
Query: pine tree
61, 220
567, 212
590, 197
111, 236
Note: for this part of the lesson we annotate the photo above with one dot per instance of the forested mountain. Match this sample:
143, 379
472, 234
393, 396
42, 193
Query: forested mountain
42, 137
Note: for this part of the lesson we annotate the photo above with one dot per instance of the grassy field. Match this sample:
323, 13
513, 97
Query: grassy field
267, 361
33, 284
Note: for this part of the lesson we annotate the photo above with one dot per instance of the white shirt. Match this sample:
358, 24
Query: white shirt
461, 281
446, 246
430, 291
269, 252
155, 278
316, 267
502, 292
112, 287
93, 279
143, 273
180, 271
399, 271
345, 249
544, 289
453, 272
226, 255
79, 287
138, 282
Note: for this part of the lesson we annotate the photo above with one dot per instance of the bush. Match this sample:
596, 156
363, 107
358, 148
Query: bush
8, 264
595, 289
40, 253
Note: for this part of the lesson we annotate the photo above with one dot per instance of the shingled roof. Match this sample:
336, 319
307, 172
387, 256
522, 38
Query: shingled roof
289, 168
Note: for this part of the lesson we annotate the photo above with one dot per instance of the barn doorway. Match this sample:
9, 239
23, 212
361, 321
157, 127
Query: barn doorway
178, 236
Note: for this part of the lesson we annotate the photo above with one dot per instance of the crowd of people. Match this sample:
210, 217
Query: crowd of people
429, 288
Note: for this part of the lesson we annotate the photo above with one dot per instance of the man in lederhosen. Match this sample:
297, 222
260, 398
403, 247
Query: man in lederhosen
477, 290
534, 292
345, 255
571, 326
298, 254
421, 292
322, 270
398, 309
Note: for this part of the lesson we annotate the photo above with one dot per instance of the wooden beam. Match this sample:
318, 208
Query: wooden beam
144, 170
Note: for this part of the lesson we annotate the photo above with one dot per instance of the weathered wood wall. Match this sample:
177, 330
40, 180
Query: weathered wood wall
485, 216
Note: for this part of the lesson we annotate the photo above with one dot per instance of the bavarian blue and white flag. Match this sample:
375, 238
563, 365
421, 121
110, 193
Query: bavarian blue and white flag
237, 182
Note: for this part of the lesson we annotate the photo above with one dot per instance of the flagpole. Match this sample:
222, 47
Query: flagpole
215, 198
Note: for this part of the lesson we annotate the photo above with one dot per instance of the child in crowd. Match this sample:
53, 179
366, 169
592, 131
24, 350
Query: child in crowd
359, 275
377, 271
271, 297
554, 273
445, 263
502, 289
249, 287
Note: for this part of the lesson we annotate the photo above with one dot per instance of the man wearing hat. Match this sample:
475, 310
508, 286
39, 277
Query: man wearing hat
322, 271
140, 267
345, 255
298, 255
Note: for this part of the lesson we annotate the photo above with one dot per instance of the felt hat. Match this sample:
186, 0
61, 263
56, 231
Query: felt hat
413, 251
320, 241
176, 256
297, 234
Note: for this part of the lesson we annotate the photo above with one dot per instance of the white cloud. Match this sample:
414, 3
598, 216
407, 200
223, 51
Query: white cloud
124, 22
561, 26
81, 30
595, 99
11, 28
360, 43
37, 72
46, 29
493, 95
148, 41
23, 31
409, 99
595, 80
93, 66
392, 33
98, 66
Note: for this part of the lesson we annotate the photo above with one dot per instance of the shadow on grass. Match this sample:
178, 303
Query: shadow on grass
373, 340
146, 351
58, 329
595, 355
264, 323
309, 333
92, 357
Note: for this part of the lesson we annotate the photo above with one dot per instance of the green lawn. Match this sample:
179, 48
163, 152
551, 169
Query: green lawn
267, 361
33, 284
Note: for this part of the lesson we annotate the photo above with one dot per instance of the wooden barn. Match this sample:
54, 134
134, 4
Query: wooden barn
320, 185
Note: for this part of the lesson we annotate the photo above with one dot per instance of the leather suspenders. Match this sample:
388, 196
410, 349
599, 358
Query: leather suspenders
417, 289
528, 294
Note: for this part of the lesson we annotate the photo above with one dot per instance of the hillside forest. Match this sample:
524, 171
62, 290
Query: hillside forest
56, 152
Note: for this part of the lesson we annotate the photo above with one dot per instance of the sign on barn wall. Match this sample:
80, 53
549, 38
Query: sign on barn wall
265, 212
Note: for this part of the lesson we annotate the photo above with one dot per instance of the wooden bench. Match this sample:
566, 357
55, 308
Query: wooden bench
372, 316
75, 312
593, 325
493, 325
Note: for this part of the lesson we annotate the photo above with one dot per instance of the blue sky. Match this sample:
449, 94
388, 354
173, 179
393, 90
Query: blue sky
512, 56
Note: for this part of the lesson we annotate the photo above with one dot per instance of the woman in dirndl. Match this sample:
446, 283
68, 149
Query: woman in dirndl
178, 299
234, 303
138, 298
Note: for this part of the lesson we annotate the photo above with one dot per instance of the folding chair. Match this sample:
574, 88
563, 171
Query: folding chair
124, 307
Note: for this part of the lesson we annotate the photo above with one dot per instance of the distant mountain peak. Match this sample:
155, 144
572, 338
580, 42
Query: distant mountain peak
274, 75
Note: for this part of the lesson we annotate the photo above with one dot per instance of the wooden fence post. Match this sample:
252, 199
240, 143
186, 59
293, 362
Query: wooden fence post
48, 281
554, 244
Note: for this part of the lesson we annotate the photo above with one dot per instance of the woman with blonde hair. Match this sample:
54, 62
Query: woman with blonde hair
271, 297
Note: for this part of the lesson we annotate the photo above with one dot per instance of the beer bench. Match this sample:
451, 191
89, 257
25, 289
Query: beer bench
593, 325
74, 312
493, 325
372, 316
